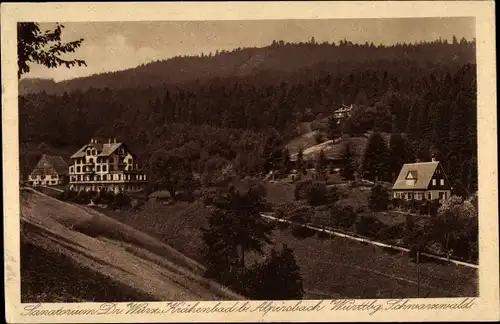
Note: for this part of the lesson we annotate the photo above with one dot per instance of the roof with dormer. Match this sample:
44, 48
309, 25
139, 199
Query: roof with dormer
422, 172
103, 149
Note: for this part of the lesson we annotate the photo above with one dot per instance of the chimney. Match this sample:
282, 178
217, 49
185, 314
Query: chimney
109, 140
114, 140
91, 140
433, 159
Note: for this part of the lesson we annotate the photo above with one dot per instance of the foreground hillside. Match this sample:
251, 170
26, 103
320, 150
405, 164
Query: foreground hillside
112, 261
336, 268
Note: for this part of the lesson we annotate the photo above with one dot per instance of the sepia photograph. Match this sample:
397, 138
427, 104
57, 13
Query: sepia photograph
248, 160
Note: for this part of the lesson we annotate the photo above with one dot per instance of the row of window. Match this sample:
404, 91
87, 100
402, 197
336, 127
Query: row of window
52, 182
99, 168
99, 159
114, 188
108, 177
43, 177
419, 195
412, 195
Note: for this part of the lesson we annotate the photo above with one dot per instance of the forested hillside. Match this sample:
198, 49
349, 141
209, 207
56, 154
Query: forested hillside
240, 107
279, 56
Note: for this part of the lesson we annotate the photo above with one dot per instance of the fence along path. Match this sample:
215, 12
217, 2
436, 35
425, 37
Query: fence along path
368, 241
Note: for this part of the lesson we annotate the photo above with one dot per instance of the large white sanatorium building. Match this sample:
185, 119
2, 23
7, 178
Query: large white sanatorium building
109, 166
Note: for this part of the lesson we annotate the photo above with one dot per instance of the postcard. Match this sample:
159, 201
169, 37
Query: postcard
250, 162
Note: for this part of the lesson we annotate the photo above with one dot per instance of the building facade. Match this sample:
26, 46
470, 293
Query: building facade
49, 171
105, 166
342, 112
422, 181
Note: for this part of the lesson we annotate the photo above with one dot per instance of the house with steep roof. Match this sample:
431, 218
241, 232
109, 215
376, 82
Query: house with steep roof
49, 171
111, 166
422, 181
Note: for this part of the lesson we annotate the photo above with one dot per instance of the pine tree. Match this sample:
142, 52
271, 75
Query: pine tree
411, 126
361, 99
399, 154
299, 163
375, 162
280, 277
379, 198
221, 254
349, 169
237, 215
321, 163
457, 141
285, 161
423, 130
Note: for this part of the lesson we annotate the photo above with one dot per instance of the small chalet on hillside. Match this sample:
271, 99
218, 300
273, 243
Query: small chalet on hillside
422, 181
342, 112
49, 171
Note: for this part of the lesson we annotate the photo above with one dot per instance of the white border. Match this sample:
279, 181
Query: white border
487, 307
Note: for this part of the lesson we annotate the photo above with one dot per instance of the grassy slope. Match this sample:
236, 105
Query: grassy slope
303, 142
178, 224
341, 267
106, 254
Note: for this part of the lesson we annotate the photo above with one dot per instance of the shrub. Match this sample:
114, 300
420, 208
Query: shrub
68, 195
302, 232
379, 198
412, 205
186, 196
433, 207
360, 209
301, 215
368, 226
82, 197
282, 225
210, 196
105, 197
397, 203
301, 189
122, 201
323, 235
315, 192
391, 232
343, 216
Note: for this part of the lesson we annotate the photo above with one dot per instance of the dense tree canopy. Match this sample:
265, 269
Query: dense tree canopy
416, 90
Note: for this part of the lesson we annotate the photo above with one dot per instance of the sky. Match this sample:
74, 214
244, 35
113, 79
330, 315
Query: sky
114, 46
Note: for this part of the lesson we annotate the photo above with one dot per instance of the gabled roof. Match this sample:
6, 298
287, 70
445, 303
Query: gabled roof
48, 162
423, 171
104, 149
